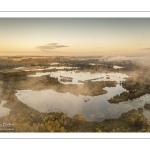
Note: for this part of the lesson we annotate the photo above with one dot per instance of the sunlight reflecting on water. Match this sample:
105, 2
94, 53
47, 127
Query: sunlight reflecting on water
83, 76
94, 108
49, 101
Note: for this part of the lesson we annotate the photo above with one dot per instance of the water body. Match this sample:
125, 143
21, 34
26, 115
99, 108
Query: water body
83, 76
60, 67
53, 67
92, 64
19, 68
55, 63
117, 67
95, 108
3, 111
92, 107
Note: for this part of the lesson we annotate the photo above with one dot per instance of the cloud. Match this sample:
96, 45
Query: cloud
50, 47
54, 44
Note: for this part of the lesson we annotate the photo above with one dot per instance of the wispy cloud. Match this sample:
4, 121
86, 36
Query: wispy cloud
50, 46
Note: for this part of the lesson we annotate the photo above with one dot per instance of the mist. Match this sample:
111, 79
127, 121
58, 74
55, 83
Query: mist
140, 60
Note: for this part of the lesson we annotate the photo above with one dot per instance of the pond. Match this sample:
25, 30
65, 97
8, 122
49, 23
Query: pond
3, 111
117, 67
38, 68
49, 101
95, 108
83, 76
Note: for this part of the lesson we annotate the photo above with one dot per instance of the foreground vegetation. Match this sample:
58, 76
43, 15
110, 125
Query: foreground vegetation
132, 121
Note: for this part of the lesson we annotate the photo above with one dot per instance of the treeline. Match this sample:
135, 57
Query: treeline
124, 96
132, 121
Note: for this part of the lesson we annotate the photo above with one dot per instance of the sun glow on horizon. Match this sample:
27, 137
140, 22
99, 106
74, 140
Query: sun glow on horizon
74, 36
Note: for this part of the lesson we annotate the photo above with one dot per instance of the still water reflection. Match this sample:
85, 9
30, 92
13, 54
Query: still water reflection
3, 111
84, 76
93, 108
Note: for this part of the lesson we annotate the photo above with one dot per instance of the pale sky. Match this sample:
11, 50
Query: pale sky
75, 36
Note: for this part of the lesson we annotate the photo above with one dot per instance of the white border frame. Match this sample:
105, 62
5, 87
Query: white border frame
73, 14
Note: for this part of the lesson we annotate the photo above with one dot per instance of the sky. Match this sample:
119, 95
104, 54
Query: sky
75, 36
